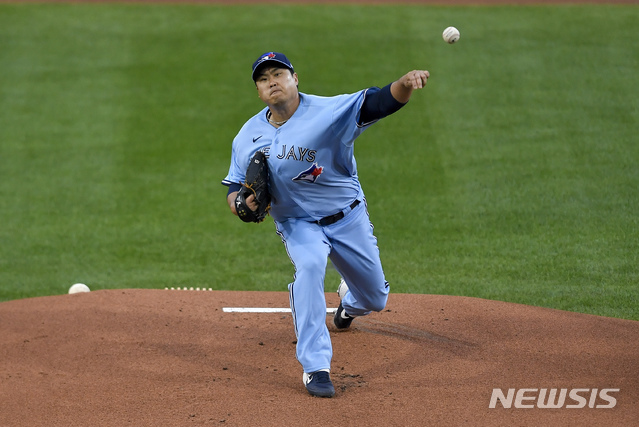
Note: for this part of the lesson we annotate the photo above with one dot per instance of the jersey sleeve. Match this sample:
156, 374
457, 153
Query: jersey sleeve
378, 103
236, 172
243, 149
346, 113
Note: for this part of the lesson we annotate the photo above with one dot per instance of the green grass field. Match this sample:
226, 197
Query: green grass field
514, 176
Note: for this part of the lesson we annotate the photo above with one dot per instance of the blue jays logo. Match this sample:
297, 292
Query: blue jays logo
267, 56
310, 175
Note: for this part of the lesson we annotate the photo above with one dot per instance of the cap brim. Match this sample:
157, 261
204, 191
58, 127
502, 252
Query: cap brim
269, 62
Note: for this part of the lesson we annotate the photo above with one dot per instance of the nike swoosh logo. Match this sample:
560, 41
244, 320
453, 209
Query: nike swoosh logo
255, 139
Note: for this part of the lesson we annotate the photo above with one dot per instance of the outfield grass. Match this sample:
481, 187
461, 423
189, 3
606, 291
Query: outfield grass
514, 176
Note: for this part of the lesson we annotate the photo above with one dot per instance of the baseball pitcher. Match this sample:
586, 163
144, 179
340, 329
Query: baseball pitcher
315, 198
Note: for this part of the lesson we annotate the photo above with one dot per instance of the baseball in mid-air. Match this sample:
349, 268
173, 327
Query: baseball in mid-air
451, 35
79, 287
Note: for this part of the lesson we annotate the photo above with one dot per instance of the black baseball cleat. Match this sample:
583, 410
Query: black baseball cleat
341, 319
319, 384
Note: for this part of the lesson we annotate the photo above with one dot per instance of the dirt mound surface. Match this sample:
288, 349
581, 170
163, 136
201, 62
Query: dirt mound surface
173, 358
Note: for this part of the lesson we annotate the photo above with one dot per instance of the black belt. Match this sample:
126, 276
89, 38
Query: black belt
332, 219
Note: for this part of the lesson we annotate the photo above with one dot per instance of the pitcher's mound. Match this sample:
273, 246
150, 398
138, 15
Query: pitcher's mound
174, 358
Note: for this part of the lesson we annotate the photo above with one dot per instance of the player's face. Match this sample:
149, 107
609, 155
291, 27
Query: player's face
276, 85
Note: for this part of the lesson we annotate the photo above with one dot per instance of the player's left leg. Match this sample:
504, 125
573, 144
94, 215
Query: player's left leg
356, 257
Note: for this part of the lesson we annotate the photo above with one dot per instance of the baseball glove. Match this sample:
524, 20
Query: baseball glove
256, 183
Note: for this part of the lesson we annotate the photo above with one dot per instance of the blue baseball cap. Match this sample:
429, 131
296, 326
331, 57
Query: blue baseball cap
275, 58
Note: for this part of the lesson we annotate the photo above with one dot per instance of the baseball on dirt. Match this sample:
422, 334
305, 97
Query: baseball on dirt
451, 35
79, 287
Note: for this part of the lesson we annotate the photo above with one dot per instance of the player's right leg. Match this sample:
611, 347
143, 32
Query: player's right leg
308, 250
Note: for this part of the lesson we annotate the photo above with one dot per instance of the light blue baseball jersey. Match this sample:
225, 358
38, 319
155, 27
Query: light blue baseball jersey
312, 169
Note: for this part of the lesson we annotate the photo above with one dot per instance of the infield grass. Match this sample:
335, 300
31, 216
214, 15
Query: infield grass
514, 176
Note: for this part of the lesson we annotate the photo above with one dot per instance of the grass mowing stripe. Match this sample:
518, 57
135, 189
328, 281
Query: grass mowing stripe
117, 122
60, 95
